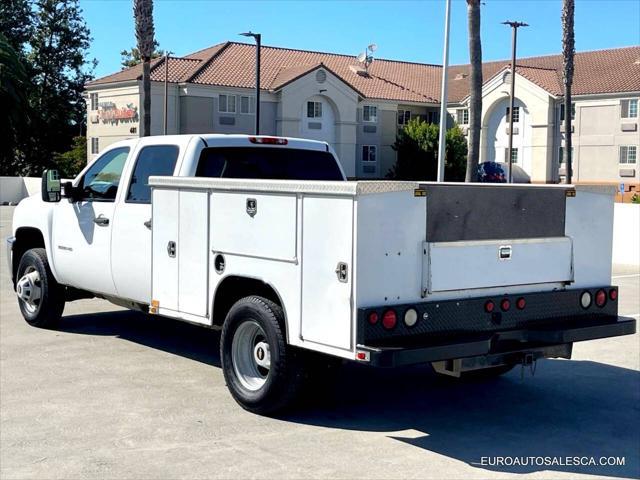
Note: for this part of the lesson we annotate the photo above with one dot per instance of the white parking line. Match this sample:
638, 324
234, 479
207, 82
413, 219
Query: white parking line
627, 276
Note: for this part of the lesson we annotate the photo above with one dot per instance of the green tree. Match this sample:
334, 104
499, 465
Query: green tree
57, 66
131, 58
14, 84
16, 22
143, 15
417, 147
71, 162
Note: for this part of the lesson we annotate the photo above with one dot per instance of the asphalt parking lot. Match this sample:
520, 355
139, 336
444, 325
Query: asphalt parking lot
116, 394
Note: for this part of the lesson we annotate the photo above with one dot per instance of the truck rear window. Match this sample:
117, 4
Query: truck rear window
267, 163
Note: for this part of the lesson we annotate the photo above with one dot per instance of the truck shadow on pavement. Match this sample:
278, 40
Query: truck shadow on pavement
574, 409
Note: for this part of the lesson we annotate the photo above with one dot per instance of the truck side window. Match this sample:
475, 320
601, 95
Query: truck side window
154, 160
268, 163
100, 182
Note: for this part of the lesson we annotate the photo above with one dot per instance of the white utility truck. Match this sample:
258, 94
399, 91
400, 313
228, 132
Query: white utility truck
264, 238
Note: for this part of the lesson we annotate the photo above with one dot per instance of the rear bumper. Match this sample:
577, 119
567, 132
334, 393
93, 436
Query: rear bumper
509, 344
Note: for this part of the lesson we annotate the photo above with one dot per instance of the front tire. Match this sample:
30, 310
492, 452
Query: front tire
262, 372
40, 297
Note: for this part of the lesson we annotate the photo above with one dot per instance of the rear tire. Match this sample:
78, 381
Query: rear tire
40, 297
262, 372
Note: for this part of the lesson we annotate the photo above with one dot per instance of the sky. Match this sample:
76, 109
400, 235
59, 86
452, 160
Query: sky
403, 30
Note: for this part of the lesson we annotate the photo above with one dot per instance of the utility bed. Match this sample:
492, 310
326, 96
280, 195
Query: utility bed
338, 252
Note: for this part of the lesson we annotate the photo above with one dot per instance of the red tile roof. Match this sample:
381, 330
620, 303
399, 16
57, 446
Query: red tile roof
233, 64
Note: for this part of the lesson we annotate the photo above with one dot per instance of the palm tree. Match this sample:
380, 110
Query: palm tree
475, 97
568, 51
143, 14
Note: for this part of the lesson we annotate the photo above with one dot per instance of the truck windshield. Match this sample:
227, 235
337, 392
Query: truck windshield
268, 163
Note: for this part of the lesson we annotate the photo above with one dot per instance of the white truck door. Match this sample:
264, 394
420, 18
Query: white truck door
82, 229
327, 270
131, 240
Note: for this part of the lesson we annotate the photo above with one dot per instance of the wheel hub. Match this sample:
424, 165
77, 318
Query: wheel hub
250, 355
262, 355
28, 289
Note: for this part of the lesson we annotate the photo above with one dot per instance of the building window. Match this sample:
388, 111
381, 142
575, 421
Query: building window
369, 113
314, 109
94, 101
628, 154
561, 156
227, 103
403, 117
247, 104
573, 111
433, 117
94, 145
462, 116
629, 108
516, 114
369, 153
514, 155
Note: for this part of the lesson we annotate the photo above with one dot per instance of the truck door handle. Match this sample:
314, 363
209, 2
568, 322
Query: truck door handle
342, 272
171, 249
148, 224
101, 220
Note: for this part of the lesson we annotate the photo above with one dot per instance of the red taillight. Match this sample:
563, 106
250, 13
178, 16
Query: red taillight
613, 294
489, 306
389, 319
373, 318
269, 140
521, 303
505, 304
601, 298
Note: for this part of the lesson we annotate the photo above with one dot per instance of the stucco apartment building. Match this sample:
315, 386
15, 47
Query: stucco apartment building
359, 110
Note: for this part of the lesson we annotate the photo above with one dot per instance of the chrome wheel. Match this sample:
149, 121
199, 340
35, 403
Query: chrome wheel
251, 355
28, 289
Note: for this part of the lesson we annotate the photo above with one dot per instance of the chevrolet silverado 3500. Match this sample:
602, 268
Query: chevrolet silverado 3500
264, 238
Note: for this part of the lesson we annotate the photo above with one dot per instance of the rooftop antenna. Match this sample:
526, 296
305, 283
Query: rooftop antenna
366, 57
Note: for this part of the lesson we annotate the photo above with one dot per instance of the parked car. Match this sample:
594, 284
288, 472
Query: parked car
263, 238
498, 172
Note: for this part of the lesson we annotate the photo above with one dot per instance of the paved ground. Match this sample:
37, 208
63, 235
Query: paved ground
114, 394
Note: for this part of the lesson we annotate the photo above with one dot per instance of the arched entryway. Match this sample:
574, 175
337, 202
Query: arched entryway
495, 129
318, 120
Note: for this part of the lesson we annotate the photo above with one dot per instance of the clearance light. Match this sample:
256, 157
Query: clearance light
601, 298
613, 294
269, 140
373, 318
489, 306
521, 303
585, 300
389, 320
410, 317
505, 304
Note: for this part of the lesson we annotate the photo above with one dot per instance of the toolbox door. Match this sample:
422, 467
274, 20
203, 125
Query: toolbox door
327, 270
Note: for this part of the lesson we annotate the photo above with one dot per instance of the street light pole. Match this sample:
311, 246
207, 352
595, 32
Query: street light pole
514, 38
258, 38
442, 138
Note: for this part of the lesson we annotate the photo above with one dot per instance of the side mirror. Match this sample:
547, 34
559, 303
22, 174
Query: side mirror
51, 189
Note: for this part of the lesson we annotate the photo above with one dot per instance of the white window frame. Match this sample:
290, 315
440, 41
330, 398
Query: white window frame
561, 159
514, 153
93, 101
227, 104
371, 119
561, 111
628, 148
317, 109
251, 105
95, 145
368, 155
629, 116
464, 113
402, 116
516, 117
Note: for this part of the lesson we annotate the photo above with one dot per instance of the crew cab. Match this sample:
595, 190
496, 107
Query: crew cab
265, 239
